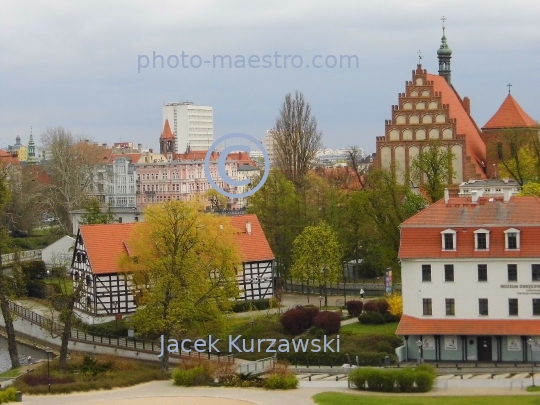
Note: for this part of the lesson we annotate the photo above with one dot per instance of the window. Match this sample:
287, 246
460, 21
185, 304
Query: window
536, 306
426, 272
482, 272
512, 306
536, 272
448, 239
481, 239
512, 272
426, 304
450, 306
500, 150
448, 272
483, 306
512, 239
88, 280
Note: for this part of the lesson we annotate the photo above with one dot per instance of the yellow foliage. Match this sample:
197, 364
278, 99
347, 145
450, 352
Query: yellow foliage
395, 304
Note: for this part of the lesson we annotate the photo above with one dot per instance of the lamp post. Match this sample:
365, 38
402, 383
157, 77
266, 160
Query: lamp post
48, 351
344, 283
320, 302
531, 344
419, 344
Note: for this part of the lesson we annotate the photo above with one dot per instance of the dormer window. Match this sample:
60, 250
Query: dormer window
448, 239
481, 239
512, 239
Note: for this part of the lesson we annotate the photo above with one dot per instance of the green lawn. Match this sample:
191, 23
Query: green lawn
336, 398
363, 330
14, 372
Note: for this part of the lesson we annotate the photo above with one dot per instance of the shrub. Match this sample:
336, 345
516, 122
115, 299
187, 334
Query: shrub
8, 395
316, 332
385, 347
277, 381
424, 380
92, 366
34, 380
34, 269
355, 307
358, 377
370, 306
428, 368
405, 380
389, 318
297, 320
329, 321
374, 379
382, 306
371, 318
191, 377
243, 306
395, 303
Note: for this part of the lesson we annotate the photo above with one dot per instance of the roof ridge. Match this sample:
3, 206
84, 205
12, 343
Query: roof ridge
510, 115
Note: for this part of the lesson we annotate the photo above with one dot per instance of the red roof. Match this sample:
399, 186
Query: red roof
242, 158
465, 125
134, 157
484, 327
421, 234
510, 115
167, 133
106, 242
195, 155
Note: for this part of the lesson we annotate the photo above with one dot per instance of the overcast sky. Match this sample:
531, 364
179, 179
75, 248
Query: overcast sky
75, 63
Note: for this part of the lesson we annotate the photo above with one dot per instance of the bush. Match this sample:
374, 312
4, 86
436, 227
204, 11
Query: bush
191, 377
384, 380
8, 395
405, 380
328, 321
382, 306
336, 359
359, 377
297, 320
385, 347
355, 307
277, 381
389, 318
243, 306
424, 380
34, 269
427, 368
371, 318
371, 306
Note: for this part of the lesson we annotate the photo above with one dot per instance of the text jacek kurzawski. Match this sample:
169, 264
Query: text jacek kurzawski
239, 345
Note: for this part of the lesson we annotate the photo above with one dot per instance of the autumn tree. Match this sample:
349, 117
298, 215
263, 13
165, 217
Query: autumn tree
354, 162
432, 169
296, 138
317, 257
183, 263
519, 155
218, 202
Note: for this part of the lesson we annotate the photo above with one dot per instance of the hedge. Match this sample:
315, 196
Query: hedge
371, 318
191, 377
243, 306
336, 359
286, 381
392, 380
8, 395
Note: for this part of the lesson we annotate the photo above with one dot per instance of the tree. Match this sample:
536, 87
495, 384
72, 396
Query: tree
354, 162
95, 215
218, 202
317, 257
183, 263
296, 138
519, 154
71, 165
531, 189
432, 169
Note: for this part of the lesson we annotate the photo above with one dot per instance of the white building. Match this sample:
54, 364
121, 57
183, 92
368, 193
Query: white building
489, 188
120, 180
191, 125
471, 280
59, 253
269, 145
245, 172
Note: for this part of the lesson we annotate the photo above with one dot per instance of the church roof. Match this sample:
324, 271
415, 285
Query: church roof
167, 133
510, 115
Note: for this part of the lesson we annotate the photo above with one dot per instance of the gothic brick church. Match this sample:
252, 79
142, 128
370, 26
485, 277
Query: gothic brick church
431, 109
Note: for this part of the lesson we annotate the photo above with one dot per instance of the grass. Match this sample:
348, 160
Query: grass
535, 388
388, 329
62, 283
14, 372
336, 398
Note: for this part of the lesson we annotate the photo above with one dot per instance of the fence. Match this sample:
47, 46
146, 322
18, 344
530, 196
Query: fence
112, 341
351, 290
27, 255
258, 366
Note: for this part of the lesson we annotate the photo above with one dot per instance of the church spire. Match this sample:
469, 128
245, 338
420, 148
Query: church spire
31, 149
444, 53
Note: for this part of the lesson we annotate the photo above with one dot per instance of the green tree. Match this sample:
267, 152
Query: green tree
317, 257
432, 169
531, 189
95, 215
183, 263
218, 202
520, 155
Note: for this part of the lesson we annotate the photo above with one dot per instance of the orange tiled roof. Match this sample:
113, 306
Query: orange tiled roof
167, 133
484, 327
465, 125
135, 157
106, 242
241, 158
510, 115
421, 234
8, 158
195, 155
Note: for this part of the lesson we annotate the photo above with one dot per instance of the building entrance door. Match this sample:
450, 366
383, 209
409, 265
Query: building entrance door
484, 348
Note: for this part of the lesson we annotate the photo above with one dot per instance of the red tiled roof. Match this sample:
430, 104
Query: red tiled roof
195, 155
510, 115
167, 133
421, 234
241, 158
106, 242
135, 157
8, 158
253, 247
465, 125
483, 327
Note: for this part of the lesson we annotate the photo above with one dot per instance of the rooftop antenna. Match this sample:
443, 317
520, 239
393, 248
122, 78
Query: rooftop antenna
508, 85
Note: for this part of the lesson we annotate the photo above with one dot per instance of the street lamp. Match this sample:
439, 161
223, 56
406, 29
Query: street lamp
419, 344
320, 302
531, 343
344, 282
48, 351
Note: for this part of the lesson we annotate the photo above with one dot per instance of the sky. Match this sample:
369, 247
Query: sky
80, 64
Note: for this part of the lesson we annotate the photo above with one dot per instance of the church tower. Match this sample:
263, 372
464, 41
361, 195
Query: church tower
167, 142
444, 53
32, 160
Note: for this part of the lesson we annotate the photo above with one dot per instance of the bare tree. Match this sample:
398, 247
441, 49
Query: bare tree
296, 138
71, 163
354, 162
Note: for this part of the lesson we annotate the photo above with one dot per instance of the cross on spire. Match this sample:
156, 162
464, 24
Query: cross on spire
508, 85
419, 56
443, 19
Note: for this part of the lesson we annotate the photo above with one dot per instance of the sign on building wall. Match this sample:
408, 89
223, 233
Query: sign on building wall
388, 281
428, 343
535, 344
450, 342
514, 344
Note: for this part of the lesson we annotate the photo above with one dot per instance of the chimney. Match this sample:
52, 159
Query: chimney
151, 150
139, 147
446, 196
104, 145
507, 193
505, 180
474, 196
467, 104
248, 227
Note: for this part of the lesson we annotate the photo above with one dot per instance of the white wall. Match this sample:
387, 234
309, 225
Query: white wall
62, 249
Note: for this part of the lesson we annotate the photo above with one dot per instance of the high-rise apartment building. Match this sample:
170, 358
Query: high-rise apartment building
192, 125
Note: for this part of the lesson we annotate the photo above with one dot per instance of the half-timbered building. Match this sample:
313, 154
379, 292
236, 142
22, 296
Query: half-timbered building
107, 290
